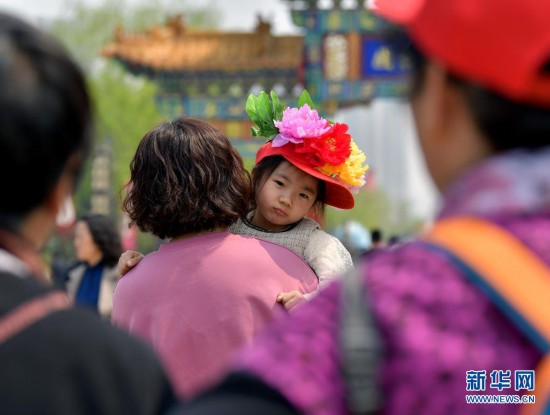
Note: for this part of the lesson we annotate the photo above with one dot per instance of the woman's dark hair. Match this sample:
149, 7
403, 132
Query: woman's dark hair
263, 170
45, 117
106, 237
506, 124
186, 177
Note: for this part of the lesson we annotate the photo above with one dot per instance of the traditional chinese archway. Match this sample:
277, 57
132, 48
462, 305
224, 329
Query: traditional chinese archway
346, 59
341, 59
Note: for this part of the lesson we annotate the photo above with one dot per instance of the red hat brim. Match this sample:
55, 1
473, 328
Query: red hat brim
337, 194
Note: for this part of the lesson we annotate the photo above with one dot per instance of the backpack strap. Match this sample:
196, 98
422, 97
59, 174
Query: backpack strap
30, 312
542, 395
361, 348
512, 276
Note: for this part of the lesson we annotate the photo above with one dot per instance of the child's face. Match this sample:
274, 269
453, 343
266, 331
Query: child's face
284, 198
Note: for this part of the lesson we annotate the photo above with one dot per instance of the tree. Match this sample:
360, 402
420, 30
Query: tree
124, 104
125, 110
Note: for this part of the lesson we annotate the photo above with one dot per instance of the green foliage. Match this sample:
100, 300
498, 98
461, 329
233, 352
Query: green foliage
125, 111
83, 194
249, 163
124, 105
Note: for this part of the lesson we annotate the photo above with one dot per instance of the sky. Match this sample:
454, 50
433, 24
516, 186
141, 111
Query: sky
237, 14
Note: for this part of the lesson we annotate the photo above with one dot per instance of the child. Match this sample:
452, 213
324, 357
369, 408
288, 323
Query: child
306, 163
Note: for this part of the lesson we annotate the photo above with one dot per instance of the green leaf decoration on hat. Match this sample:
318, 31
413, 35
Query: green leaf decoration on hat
278, 108
263, 111
305, 98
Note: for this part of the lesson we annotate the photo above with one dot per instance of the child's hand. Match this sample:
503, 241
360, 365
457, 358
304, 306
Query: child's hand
291, 299
128, 260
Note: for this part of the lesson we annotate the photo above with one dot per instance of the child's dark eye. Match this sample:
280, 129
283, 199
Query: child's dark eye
304, 196
279, 183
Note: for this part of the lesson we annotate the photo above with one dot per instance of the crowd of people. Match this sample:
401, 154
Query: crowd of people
250, 307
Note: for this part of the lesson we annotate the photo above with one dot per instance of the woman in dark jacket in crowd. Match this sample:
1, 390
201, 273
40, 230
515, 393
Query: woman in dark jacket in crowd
97, 244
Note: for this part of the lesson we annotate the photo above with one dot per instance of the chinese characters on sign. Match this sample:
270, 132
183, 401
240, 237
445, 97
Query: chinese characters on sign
476, 380
499, 380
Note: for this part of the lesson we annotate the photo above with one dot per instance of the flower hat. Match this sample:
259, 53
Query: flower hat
311, 143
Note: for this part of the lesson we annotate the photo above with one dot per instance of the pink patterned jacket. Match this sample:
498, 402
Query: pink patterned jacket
434, 324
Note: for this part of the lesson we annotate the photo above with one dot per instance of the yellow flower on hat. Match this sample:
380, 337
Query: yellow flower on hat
352, 171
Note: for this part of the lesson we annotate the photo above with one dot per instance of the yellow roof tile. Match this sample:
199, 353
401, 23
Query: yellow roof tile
174, 47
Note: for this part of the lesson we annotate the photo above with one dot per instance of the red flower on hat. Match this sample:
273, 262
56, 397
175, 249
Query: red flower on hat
332, 147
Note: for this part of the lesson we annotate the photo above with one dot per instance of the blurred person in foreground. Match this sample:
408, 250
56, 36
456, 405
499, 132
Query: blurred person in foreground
53, 359
97, 245
421, 325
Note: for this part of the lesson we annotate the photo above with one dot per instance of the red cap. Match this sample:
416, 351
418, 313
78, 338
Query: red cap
337, 194
499, 44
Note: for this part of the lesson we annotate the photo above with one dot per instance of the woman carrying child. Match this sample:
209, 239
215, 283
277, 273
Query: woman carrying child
206, 291
307, 163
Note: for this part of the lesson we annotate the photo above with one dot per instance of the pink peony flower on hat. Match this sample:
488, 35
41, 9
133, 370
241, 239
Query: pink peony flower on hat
297, 124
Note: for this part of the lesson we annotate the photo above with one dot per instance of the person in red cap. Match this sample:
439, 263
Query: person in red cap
457, 322
306, 163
